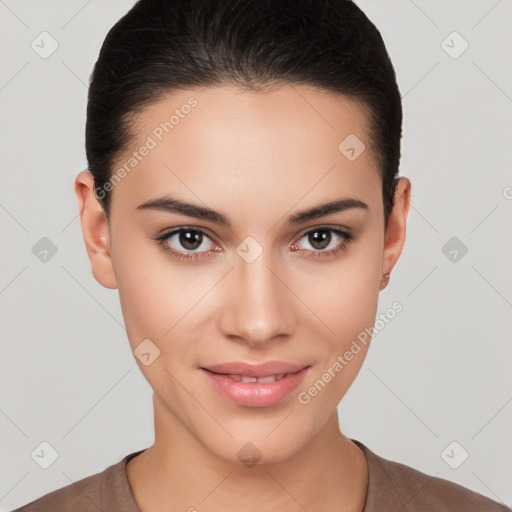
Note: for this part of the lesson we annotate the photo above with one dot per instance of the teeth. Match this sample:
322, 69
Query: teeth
244, 378
270, 378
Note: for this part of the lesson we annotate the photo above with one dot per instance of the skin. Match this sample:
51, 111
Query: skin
256, 157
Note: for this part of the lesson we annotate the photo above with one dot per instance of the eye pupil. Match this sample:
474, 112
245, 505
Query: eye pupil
325, 235
188, 239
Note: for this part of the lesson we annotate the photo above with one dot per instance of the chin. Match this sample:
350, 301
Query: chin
257, 449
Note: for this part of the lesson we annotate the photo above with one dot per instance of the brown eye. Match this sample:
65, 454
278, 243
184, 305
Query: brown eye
186, 243
319, 238
190, 239
322, 238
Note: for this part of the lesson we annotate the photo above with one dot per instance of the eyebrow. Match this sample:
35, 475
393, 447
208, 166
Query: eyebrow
173, 205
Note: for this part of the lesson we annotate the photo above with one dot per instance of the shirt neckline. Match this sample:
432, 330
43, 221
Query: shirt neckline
373, 465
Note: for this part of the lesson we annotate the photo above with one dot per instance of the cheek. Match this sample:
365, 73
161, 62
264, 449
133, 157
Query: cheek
161, 300
344, 295
345, 298
146, 293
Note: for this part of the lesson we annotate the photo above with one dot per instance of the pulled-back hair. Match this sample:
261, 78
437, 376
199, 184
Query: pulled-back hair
161, 46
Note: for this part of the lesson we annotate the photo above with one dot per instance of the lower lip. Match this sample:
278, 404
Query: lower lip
256, 394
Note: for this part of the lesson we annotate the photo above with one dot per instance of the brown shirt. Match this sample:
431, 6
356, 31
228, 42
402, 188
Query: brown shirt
392, 487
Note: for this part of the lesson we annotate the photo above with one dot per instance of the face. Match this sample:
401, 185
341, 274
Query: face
224, 277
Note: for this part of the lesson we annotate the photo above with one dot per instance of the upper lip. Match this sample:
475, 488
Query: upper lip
264, 369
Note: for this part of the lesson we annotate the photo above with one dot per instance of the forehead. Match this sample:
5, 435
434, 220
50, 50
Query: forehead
293, 112
279, 144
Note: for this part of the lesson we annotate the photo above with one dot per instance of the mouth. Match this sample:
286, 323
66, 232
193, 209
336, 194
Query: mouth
255, 385
247, 378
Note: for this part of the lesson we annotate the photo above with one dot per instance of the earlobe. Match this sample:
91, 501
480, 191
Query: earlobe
397, 223
95, 230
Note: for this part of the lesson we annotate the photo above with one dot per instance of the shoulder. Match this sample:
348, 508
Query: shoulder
396, 484
102, 491
83, 495
437, 493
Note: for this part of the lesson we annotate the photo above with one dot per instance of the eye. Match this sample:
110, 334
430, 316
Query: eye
191, 244
321, 238
179, 242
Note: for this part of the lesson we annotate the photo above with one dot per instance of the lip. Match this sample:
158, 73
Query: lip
256, 369
255, 394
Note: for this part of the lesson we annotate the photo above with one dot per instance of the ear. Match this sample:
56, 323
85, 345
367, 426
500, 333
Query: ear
397, 220
95, 230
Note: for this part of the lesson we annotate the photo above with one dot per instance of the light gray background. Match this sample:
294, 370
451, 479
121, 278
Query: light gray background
439, 372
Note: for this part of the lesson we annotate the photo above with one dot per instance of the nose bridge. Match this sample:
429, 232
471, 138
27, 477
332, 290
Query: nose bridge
259, 305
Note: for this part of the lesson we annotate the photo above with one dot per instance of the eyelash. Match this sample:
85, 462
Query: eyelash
161, 241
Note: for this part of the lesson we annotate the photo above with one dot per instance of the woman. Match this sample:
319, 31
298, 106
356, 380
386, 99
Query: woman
242, 195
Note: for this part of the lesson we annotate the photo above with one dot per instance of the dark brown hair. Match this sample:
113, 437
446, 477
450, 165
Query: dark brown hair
161, 46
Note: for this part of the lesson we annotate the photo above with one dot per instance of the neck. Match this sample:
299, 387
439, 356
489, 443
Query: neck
329, 473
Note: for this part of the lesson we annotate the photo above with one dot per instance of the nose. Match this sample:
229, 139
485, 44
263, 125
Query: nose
259, 305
